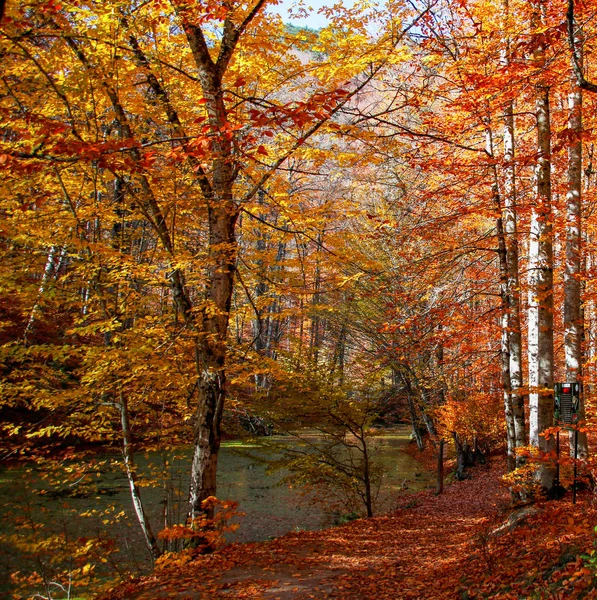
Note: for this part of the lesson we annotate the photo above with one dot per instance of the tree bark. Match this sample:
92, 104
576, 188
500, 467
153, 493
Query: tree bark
211, 355
573, 320
260, 324
540, 342
509, 220
505, 311
131, 475
464, 457
54, 261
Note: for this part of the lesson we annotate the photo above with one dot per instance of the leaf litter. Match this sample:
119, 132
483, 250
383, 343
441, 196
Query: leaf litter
439, 547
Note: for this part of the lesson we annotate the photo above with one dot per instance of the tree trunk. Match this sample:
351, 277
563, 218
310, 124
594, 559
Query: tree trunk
573, 321
54, 261
505, 312
540, 343
260, 324
509, 220
211, 354
429, 424
412, 407
129, 464
316, 320
514, 329
463, 457
339, 356
366, 474
206, 442
414, 420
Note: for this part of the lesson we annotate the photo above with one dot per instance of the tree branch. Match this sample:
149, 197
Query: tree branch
317, 126
231, 37
575, 55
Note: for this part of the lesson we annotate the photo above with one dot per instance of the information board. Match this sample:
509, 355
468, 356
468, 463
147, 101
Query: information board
567, 401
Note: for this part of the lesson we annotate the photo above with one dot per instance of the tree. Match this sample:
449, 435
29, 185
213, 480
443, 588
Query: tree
573, 318
541, 304
182, 148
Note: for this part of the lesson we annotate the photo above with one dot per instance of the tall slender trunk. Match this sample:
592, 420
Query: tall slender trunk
261, 321
316, 320
541, 354
131, 475
505, 310
573, 322
274, 322
514, 329
441, 375
366, 473
509, 220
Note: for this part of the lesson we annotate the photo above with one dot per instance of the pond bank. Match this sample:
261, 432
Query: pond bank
409, 554
101, 493
437, 548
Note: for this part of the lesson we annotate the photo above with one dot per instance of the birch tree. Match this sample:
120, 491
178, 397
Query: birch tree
573, 317
509, 219
540, 313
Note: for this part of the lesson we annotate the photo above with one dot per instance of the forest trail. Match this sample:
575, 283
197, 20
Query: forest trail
434, 547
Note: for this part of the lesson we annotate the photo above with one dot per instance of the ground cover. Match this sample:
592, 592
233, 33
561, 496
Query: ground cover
457, 545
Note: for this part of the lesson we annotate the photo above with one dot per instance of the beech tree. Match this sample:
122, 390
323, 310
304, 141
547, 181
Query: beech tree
541, 306
512, 328
184, 146
199, 202
573, 313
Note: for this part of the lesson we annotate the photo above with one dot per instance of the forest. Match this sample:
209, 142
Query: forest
219, 229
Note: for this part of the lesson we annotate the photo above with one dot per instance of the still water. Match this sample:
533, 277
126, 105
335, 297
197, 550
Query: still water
45, 524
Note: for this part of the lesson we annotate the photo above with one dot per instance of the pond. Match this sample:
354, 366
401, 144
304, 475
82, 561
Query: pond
54, 527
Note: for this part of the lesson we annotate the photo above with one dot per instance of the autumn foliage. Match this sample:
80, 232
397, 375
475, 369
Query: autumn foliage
458, 544
216, 224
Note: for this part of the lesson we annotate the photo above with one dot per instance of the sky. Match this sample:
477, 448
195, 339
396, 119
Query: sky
315, 21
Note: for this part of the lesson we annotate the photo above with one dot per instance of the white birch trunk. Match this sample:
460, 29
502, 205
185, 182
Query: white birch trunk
573, 321
541, 354
509, 219
511, 236
129, 464
53, 263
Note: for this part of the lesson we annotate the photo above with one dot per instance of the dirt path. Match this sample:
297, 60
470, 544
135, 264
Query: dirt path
436, 549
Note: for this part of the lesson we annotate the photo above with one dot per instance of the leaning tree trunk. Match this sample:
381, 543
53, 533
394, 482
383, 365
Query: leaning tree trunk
414, 418
131, 475
53, 263
152, 208
540, 320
